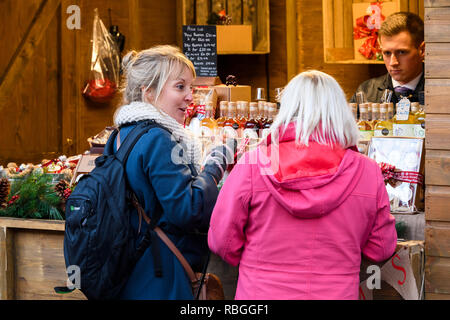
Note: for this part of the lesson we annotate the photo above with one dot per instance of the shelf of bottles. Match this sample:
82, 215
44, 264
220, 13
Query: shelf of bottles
247, 122
378, 119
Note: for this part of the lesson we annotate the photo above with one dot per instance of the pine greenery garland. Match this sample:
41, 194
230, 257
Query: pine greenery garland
33, 197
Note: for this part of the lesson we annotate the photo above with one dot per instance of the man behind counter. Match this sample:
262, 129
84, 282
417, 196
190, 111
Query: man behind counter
402, 43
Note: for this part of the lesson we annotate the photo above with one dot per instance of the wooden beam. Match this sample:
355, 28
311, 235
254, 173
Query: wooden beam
14, 71
70, 82
135, 27
291, 39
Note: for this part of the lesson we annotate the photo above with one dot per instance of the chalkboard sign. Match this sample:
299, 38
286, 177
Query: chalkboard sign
200, 46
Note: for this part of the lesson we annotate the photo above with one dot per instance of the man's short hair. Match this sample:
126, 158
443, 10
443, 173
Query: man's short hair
403, 21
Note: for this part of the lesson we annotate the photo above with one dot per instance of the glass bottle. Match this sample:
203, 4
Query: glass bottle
223, 109
231, 126
208, 122
403, 124
354, 108
261, 111
271, 110
364, 126
390, 112
384, 126
369, 110
252, 126
375, 114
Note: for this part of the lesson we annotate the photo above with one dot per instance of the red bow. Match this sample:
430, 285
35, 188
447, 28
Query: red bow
390, 172
370, 46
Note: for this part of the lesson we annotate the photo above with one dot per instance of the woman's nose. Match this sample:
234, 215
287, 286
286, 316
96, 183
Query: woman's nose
189, 97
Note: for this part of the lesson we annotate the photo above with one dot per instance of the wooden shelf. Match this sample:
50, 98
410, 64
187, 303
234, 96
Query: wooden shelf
254, 13
355, 62
338, 28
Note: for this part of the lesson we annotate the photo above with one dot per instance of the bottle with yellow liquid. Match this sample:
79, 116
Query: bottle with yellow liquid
223, 109
390, 112
208, 124
354, 108
404, 120
375, 114
383, 128
364, 126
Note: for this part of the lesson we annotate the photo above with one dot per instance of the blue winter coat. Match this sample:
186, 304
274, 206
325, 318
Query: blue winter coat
186, 201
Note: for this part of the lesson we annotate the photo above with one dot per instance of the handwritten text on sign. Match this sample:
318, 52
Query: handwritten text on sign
200, 46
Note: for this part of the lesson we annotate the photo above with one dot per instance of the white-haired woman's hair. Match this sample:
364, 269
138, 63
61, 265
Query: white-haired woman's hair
151, 68
315, 102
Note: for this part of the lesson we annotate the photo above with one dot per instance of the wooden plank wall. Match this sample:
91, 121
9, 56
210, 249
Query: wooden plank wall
437, 158
44, 66
310, 50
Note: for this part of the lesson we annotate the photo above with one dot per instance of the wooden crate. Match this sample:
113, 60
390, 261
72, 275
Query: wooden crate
338, 28
32, 260
246, 12
417, 259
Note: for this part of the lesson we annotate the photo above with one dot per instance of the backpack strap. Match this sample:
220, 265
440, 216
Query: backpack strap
132, 138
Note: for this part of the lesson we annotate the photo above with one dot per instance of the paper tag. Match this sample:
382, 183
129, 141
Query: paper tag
403, 107
404, 130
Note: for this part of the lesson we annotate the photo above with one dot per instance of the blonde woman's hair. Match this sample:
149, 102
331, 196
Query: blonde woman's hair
150, 69
315, 102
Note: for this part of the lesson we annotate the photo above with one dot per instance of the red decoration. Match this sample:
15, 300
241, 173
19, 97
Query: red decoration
192, 110
13, 199
100, 90
391, 173
363, 29
67, 193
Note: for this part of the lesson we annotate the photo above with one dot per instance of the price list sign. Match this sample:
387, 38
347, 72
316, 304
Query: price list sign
200, 46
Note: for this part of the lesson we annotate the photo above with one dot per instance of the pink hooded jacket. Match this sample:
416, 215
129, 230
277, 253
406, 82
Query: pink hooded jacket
297, 221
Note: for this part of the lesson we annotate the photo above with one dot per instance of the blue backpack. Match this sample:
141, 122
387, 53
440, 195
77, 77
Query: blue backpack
99, 239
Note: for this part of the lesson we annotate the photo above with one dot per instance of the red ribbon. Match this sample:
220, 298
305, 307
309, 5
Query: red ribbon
370, 45
192, 110
390, 172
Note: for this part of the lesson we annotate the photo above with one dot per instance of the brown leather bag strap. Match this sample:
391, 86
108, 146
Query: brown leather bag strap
142, 215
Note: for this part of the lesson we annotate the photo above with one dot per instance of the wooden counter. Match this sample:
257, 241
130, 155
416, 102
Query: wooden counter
32, 260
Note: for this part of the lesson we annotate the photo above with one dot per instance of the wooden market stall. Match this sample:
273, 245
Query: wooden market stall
44, 66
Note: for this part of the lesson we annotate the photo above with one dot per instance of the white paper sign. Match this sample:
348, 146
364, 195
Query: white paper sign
398, 273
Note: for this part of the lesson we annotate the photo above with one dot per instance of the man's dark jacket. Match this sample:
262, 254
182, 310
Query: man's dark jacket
374, 88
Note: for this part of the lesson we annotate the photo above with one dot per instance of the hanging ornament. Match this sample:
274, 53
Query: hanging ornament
105, 64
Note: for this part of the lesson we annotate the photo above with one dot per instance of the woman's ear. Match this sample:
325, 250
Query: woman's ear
147, 95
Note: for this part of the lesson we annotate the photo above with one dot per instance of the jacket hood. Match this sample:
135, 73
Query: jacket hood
308, 181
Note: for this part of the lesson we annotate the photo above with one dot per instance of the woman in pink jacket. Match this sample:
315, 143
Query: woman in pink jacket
297, 212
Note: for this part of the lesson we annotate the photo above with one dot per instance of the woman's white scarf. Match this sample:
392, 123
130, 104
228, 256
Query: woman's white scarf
137, 111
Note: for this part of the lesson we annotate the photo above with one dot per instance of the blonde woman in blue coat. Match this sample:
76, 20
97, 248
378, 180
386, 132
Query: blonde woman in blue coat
164, 170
